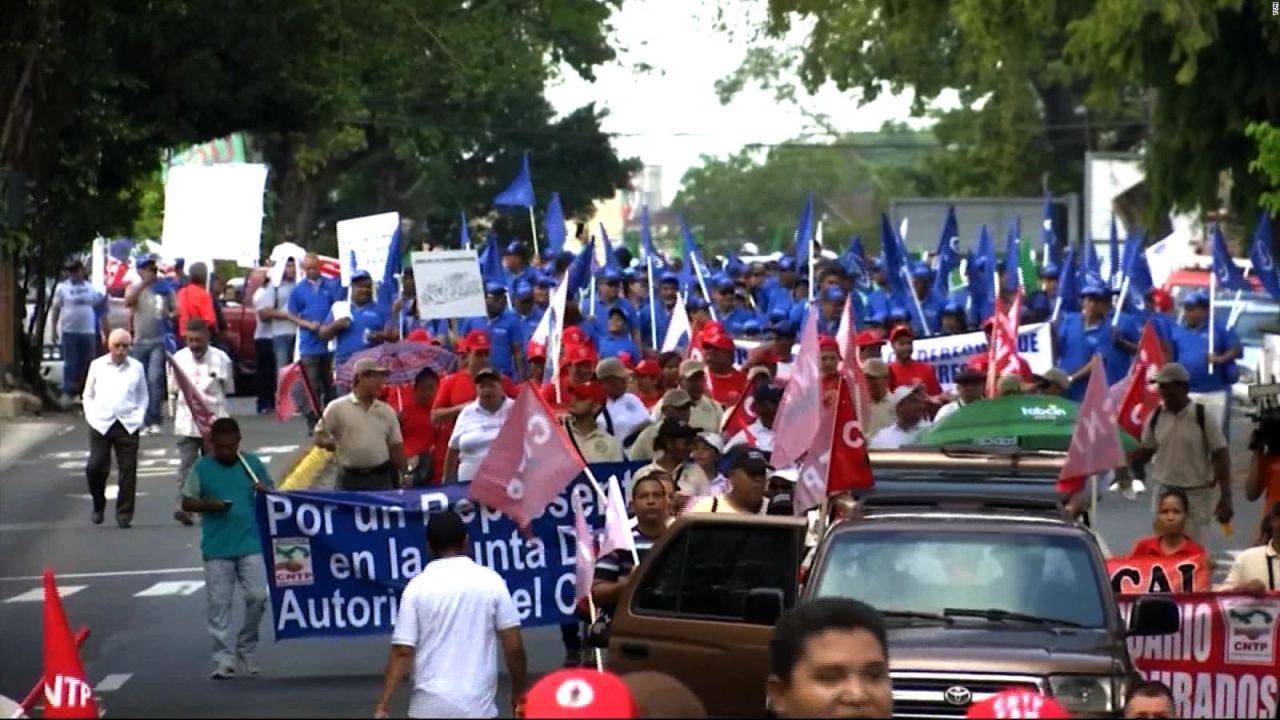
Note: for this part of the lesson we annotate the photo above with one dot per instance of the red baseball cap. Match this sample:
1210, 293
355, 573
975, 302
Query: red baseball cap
1019, 704
579, 694
718, 340
418, 335
537, 350
578, 354
1161, 299
869, 337
713, 327
900, 331
648, 368
592, 391
826, 343
575, 336
476, 340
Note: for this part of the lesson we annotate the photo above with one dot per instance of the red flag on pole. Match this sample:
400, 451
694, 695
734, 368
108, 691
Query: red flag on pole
530, 462
838, 459
286, 387
743, 412
201, 413
1002, 352
1142, 399
1095, 446
801, 407
847, 337
67, 693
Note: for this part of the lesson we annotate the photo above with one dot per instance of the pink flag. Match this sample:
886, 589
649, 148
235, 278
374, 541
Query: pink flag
529, 464
1095, 445
617, 525
586, 556
801, 406
849, 354
811, 486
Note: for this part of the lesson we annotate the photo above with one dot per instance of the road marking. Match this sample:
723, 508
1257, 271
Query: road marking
112, 682
37, 594
275, 449
111, 493
117, 573
172, 587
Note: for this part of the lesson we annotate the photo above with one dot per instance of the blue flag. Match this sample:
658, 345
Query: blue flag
898, 276
1264, 265
1052, 251
1012, 279
1068, 285
389, 288
491, 261
610, 260
1091, 268
555, 225
464, 235
579, 274
948, 253
804, 236
982, 278
693, 262
1228, 274
854, 261
1134, 275
520, 192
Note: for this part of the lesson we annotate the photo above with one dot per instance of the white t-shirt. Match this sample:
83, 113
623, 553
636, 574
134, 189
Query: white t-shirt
894, 437
450, 614
264, 299
473, 433
946, 410
763, 438
627, 412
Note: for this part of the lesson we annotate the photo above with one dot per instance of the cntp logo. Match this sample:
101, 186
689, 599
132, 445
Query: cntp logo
1045, 412
1251, 630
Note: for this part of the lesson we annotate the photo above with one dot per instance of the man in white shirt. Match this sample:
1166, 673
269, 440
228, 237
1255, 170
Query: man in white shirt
623, 412
1257, 569
969, 388
453, 615
477, 427
210, 372
909, 419
759, 434
115, 403
264, 349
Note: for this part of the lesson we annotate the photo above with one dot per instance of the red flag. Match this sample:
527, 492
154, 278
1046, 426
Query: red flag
800, 409
201, 413
849, 354
838, 459
1095, 446
1142, 398
67, 693
530, 462
286, 387
743, 412
1002, 351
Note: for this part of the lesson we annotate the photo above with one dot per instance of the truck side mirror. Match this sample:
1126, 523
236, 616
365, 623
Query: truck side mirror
763, 606
1154, 616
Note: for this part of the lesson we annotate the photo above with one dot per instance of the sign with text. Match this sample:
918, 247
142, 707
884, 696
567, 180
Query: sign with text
339, 561
448, 283
1222, 661
1139, 575
948, 354
369, 237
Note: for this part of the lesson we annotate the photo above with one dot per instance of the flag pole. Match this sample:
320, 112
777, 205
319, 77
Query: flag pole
591, 478
702, 283
653, 315
1124, 290
1213, 294
595, 651
533, 228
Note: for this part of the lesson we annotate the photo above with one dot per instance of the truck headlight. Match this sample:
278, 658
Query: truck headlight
1082, 693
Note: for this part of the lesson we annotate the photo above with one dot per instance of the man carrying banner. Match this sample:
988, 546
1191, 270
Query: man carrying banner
1257, 569
222, 487
453, 617
365, 433
212, 375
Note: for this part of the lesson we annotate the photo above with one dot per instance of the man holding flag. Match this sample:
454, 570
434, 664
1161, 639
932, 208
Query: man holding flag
208, 372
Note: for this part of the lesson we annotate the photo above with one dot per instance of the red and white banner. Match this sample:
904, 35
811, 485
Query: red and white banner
1141, 575
1142, 398
1003, 359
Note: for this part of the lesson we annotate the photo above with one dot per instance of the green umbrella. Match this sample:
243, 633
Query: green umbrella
1032, 422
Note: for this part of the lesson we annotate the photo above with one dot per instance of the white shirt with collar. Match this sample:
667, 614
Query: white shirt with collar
762, 436
627, 413
115, 392
1260, 563
212, 376
894, 437
473, 434
947, 409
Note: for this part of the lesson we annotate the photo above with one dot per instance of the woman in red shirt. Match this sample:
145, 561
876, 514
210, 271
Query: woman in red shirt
1170, 540
646, 376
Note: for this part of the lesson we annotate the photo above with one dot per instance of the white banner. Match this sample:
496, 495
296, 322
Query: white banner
948, 354
369, 237
449, 284
214, 212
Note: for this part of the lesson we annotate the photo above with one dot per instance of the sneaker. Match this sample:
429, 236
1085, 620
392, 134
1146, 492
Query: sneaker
249, 665
183, 517
1139, 487
152, 430
223, 672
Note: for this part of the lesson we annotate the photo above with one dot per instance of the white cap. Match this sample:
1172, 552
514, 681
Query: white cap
790, 473
901, 393
715, 440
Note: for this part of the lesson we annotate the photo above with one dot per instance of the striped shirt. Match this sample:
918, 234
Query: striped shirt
619, 562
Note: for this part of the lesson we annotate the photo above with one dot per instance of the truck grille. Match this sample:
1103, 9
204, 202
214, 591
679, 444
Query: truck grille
943, 695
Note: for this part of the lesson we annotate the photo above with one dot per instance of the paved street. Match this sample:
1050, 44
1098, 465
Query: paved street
141, 590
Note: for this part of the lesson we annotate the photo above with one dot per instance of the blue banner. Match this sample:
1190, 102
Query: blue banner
340, 560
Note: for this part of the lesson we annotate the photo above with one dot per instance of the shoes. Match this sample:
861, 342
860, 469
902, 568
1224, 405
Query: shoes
124, 522
97, 517
249, 665
1139, 486
183, 517
152, 429
573, 658
223, 672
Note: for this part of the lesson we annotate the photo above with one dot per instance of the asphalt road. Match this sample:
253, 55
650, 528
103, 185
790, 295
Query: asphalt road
141, 590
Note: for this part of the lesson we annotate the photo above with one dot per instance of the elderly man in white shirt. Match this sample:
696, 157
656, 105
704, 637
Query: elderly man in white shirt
623, 412
115, 403
211, 374
909, 419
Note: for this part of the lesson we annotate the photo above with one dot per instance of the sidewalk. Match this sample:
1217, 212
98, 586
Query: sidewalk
19, 436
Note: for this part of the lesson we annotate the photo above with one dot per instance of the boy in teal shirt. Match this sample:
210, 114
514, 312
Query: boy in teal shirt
222, 486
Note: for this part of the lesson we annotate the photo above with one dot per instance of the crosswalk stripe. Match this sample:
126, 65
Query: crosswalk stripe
112, 682
37, 594
172, 587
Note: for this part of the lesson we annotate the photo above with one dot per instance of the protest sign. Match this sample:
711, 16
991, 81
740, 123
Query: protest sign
340, 560
214, 212
948, 354
369, 237
1222, 661
1138, 575
448, 283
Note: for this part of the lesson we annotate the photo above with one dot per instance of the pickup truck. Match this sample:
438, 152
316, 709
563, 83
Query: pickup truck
982, 591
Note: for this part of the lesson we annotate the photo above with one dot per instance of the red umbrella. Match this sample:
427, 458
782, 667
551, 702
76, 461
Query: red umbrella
403, 361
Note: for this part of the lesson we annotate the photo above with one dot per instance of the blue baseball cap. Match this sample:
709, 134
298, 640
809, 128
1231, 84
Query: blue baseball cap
921, 271
778, 315
752, 326
630, 275
1196, 297
669, 277
897, 313
1000, 265
953, 307
783, 327
695, 303
143, 261
611, 275
786, 263
1050, 271
724, 284
833, 295
515, 248
361, 275
734, 269
1095, 290
546, 281
876, 319
875, 263
495, 288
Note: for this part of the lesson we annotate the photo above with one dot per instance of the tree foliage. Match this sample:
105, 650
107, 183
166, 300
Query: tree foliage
1267, 163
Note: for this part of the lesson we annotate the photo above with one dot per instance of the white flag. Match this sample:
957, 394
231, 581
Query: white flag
678, 327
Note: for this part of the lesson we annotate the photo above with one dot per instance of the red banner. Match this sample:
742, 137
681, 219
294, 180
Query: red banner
1222, 661
1141, 575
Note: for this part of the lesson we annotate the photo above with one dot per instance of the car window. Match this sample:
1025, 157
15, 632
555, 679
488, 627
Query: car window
708, 571
1047, 576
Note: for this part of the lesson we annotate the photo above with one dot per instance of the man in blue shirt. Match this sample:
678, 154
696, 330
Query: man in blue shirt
609, 297
367, 324
1081, 335
222, 486
780, 289
951, 321
931, 302
832, 308
505, 329
668, 286
529, 313
1039, 305
309, 306
730, 313
1212, 369
616, 337
513, 262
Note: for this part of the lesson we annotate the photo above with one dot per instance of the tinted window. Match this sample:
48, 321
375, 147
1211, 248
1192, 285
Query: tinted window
708, 571
1047, 576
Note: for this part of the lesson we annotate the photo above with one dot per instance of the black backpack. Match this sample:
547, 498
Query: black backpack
1204, 435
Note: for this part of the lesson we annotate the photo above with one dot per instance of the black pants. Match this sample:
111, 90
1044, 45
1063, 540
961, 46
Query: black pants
319, 372
265, 373
382, 477
98, 469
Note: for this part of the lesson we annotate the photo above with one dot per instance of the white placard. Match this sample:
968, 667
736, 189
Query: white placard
449, 284
948, 354
215, 211
369, 237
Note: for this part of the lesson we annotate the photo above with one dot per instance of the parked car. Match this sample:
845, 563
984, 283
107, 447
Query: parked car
981, 591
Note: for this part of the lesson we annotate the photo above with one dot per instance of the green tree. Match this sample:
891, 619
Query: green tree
1266, 163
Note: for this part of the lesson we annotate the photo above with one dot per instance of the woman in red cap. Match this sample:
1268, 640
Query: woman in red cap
646, 375
725, 383
577, 366
457, 389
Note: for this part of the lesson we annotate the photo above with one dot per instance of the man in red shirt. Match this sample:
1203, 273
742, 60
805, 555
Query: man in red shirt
194, 301
828, 368
904, 370
725, 383
421, 441
870, 344
577, 366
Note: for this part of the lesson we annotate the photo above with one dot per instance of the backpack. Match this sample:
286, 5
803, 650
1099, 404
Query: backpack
1204, 435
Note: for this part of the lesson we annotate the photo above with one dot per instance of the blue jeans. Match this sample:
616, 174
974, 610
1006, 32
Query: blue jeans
78, 350
221, 575
283, 345
151, 354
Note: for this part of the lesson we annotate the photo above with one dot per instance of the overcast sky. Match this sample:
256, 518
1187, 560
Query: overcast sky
671, 115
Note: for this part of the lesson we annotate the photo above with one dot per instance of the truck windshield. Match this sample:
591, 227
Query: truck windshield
1045, 576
